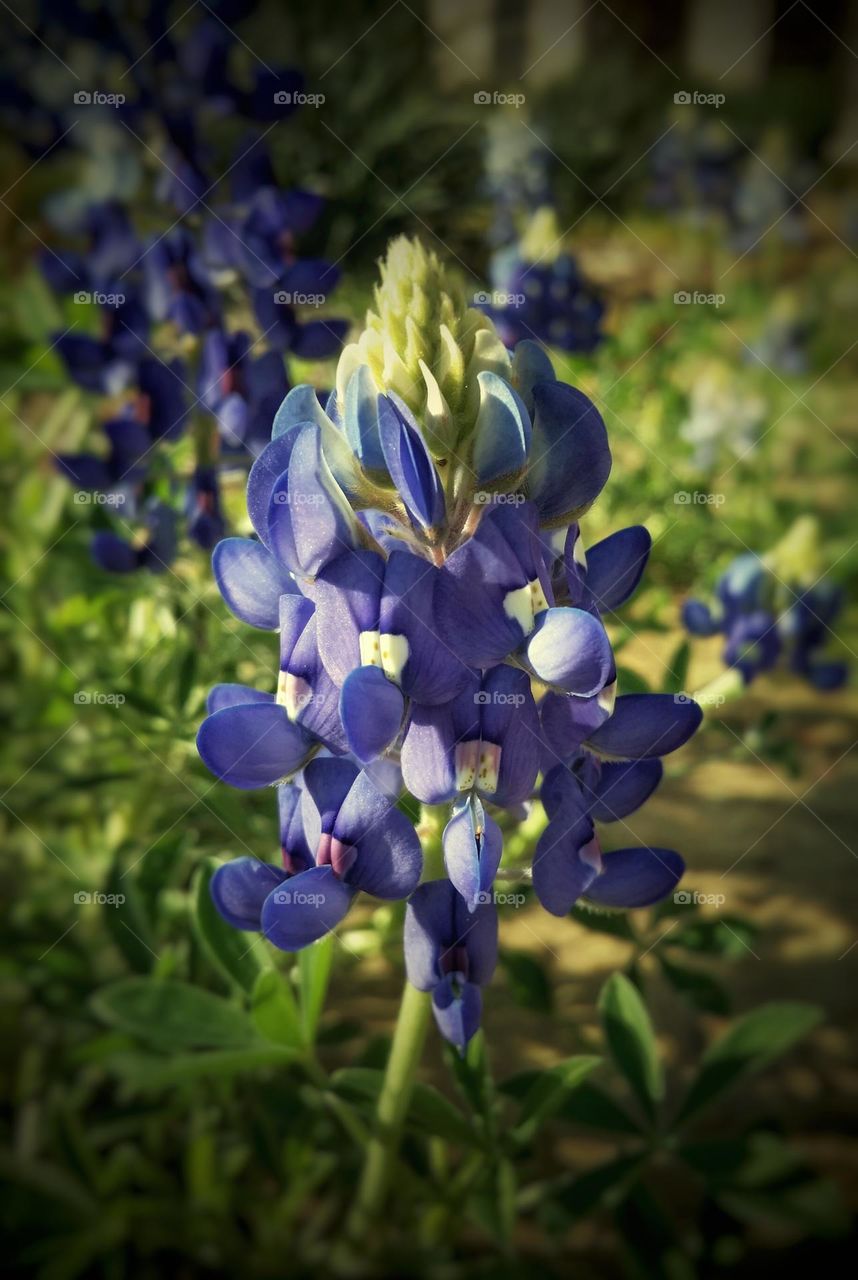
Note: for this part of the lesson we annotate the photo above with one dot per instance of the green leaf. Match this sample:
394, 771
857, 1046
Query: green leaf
147, 1073
275, 1011
314, 969
747, 1046
549, 1090
127, 921
614, 923
239, 958
588, 1105
729, 936
172, 1015
429, 1112
677, 676
528, 980
629, 681
698, 987
581, 1194
630, 1037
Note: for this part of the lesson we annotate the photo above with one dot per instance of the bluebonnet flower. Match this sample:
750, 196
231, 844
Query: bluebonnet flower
242, 390
155, 550
766, 610
541, 293
406, 549
177, 284
206, 524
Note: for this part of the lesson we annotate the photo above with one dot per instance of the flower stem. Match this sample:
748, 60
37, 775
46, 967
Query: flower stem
405, 1052
726, 687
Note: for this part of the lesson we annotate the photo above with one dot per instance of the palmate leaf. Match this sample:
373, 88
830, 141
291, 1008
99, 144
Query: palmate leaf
314, 970
746, 1047
591, 1106
149, 1073
275, 1011
629, 1033
429, 1112
549, 1090
239, 956
173, 1015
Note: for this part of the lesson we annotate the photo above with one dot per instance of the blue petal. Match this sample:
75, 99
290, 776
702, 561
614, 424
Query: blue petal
530, 365
409, 463
457, 1012
570, 457
264, 475
113, 553
371, 709
305, 909
251, 581
567, 722
647, 724
616, 564
501, 431
360, 419
473, 844
347, 594
570, 650
389, 858
239, 888
433, 672
697, 618
635, 877
624, 787
560, 874
252, 745
310, 522
234, 695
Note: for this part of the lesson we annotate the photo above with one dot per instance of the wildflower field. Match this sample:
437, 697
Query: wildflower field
430, 639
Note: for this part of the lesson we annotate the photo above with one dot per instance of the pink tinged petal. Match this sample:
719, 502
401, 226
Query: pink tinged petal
305, 908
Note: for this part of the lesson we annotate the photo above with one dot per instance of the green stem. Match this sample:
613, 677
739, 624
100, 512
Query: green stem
726, 687
405, 1052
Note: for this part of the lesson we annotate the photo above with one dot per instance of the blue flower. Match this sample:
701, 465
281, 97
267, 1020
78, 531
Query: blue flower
450, 951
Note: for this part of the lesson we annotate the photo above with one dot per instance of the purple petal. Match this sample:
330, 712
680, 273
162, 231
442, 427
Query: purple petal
251, 581
305, 909
432, 673
570, 650
371, 709
624, 787
239, 888
635, 877
252, 745
560, 873
647, 724
347, 594
615, 566
569, 455
567, 722
473, 844
409, 463
234, 695
457, 1011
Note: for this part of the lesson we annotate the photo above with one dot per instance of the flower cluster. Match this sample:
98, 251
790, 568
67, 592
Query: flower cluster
222, 236
419, 551
540, 292
765, 620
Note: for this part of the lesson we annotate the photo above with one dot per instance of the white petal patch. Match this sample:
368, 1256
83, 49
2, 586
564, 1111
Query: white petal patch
390, 652
467, 763
293, 694
518, 605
